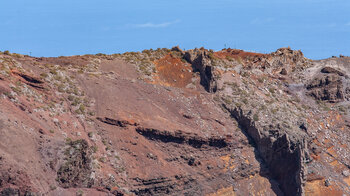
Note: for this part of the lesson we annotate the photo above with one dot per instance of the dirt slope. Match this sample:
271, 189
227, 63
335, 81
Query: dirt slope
173, 122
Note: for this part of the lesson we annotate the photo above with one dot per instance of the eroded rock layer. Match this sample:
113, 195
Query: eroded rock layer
174, 122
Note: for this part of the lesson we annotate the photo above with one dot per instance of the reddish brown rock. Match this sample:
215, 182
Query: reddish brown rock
173, 122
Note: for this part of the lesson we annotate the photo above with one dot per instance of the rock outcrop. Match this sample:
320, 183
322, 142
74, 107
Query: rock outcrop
182, 138
201, 62
175, 122
284, 152
330, 85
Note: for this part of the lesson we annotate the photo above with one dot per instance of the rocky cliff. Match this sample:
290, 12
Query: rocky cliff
174, 122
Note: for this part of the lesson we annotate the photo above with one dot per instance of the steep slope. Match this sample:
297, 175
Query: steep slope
173, 122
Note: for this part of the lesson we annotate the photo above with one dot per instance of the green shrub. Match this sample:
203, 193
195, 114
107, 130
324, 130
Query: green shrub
342, 109
17, 89
70, 97
245, 101
211, 55
102, 160
60, 88
256, 117
54, 72
94, 148
229, 58
79, 193
82, 108
43, 75
76, 101
100, 54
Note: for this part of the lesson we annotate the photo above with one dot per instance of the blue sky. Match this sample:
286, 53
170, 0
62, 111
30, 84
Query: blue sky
320, 28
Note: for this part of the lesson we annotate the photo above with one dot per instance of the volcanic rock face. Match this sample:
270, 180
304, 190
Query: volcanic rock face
200, 60
283, 153
329, 86
174, 122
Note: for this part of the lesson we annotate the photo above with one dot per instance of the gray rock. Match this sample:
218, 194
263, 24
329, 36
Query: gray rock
346, 173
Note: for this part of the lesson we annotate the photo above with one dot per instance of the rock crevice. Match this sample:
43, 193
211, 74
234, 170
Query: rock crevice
183, 138
200, 60
114, 122
283, 154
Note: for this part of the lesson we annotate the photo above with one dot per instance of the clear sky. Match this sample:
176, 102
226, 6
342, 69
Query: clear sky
320, 28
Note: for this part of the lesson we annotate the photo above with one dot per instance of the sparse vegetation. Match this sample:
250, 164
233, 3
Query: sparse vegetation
52, 187
263, 97
43, 75
79, 193
256, 117
229, 58
211, 55
94, 148
144, 60
261, 80
102, 159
